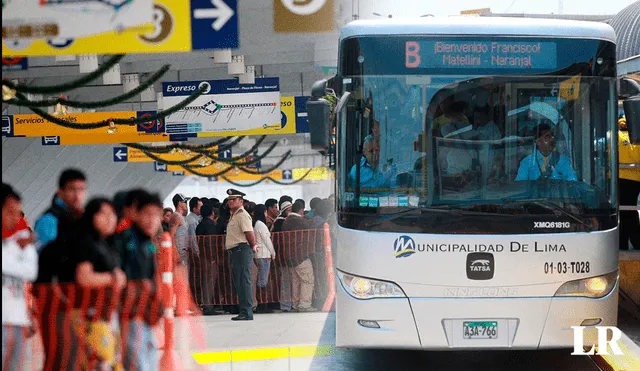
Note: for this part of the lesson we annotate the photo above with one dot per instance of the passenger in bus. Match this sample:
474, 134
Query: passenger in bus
371, 145
546, 162
452, 111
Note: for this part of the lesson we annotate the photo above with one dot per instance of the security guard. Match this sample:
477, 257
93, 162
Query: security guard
241, 244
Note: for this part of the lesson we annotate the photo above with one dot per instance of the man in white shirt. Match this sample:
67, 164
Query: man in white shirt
19, 266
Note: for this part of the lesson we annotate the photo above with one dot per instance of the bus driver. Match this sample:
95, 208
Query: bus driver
546, 161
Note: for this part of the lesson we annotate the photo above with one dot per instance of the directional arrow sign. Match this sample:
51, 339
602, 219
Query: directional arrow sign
214, 24
220, 13
287, 174
120, 154
225, 154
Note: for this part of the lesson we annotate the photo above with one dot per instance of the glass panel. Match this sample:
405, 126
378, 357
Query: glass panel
484, 146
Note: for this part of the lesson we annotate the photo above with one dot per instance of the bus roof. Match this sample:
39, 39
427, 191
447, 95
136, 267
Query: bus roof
486, 26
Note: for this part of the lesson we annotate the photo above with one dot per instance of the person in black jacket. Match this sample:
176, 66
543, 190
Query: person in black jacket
205, 232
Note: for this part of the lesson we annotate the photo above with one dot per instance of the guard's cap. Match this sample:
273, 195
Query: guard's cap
234, 193
179, 197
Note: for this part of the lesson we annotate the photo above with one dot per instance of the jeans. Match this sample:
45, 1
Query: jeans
141, 346
260, 276
13, 347
241, 265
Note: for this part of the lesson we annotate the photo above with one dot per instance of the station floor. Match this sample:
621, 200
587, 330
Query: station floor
305, 342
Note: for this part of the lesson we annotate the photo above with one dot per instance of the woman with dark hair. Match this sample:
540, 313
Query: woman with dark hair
225, 215
266, 253
97, 267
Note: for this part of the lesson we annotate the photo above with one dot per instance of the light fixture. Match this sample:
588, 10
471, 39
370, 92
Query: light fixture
249, 77
236, 67
159, 101
112, 75
65, 58
148, 94
130, 82
222, 56
61, 109
88, 63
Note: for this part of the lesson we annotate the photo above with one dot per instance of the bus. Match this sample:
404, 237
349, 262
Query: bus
476, 177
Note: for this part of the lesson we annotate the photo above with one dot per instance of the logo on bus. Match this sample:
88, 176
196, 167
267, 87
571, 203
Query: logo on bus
404, 246
480, 266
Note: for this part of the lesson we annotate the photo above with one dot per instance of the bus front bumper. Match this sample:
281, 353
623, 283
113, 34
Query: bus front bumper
437, 323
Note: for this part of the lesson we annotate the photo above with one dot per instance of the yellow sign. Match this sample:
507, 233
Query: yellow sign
137, 155
303, 16
171, 33
570, 89
476, 11
32, 125
287, 125
232, 175
318, 173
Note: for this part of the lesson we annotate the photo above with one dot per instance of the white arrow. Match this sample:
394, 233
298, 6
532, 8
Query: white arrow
120, 154
287, 173
220, 10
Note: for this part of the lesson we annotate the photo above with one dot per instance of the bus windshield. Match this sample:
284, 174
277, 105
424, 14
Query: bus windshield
429, 144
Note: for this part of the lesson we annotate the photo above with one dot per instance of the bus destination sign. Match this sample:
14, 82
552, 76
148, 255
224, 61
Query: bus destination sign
481, 54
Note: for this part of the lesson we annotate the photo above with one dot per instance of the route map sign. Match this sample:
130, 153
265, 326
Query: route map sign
227, 107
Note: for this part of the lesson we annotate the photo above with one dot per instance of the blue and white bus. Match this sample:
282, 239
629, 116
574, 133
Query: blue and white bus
476, 176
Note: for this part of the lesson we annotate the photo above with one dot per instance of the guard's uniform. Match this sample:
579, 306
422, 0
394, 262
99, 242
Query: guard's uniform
241, 254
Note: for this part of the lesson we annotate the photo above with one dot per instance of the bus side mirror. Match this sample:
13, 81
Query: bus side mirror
632, 114
319, 116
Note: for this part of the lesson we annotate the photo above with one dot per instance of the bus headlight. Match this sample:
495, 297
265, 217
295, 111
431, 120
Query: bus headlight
366, 288
593, 287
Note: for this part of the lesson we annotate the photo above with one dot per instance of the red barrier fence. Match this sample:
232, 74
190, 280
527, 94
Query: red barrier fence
80, 328
303, 260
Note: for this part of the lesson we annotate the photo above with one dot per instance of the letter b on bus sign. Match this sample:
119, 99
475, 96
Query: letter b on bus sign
578, 341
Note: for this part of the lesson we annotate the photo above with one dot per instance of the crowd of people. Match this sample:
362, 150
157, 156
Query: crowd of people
248, 229
110, 243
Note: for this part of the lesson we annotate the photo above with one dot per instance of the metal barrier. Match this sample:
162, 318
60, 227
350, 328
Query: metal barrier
284, 280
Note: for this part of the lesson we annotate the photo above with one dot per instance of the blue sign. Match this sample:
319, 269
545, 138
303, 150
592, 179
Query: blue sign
255, 165
481, 54
14, 63
214, 24
120, 154
287, 174
156, 126
159, 166
227, 154
178, 173
50, 141
213, 178
7, 125
214, 87
302, 121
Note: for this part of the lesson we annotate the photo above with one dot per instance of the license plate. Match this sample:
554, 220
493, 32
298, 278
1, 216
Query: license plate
480, 330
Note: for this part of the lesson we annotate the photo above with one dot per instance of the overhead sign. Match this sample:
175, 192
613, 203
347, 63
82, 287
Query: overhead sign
481, 54
137, 155
287, 174
227, 107
318, 173
14, 63
7, 125
32, 125
303, 16
120, 154
302, 120
176, 26
50, 141
70, 19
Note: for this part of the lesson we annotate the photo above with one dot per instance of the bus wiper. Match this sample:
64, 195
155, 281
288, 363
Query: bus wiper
551, 206
444, 209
